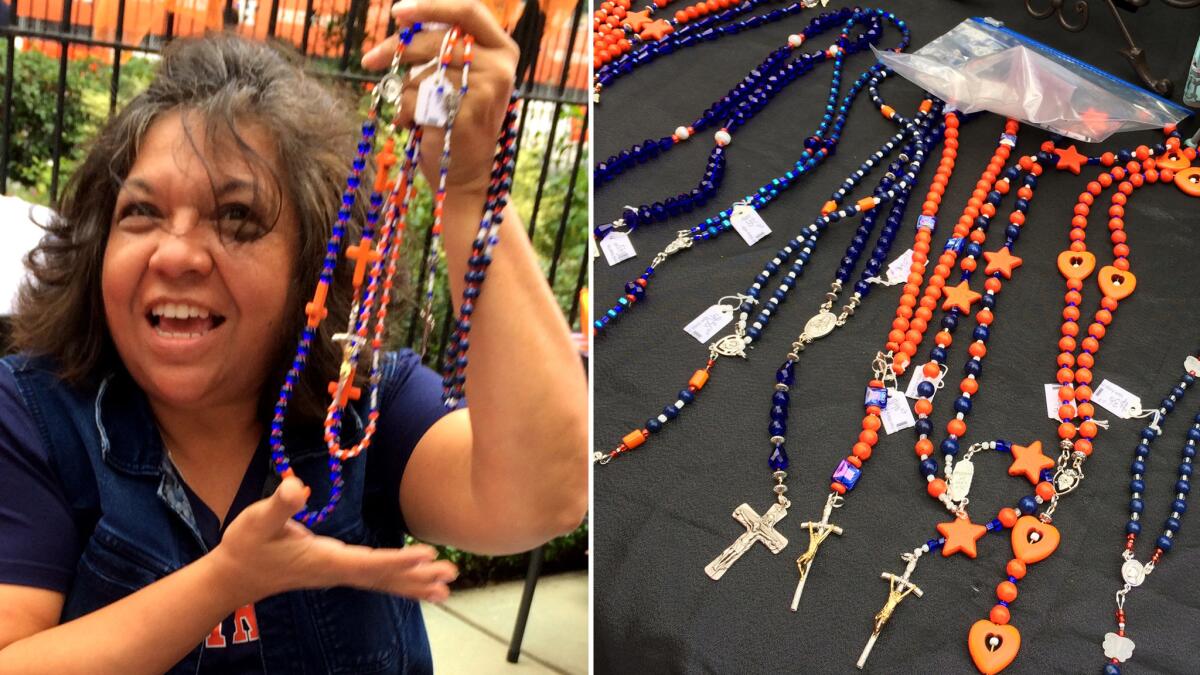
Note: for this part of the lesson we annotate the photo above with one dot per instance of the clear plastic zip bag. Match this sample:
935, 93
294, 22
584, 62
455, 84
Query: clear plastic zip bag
981, 65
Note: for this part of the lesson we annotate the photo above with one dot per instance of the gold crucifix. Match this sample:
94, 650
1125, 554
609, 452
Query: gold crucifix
899, 587
817, 534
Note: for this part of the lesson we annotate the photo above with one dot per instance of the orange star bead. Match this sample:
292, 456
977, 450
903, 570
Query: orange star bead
1002, 261
657, 30
960, 296
1029, 461
1070, 159
635, 21
961, 535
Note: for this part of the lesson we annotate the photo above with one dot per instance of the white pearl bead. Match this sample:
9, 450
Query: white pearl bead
682, 133
722, 137
795, 40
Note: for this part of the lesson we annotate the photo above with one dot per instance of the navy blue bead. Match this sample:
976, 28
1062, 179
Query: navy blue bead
928, 467
1138, 467
949, 446
1027, 504
1142, 450
780, 398
1193, 434
686, 396
1111, 669
1189, 451
1185, 469
778, 460
1179, 506
924, 427
938, 354
950, 321
777, 428
671, 412
1149, 434
1133, 527
1138, 486
1164, 542
786, 374
1183, 487
962, 404
1172, 524
981, 333
1136, 505
779, 412
653, 425
973, 367
925, 389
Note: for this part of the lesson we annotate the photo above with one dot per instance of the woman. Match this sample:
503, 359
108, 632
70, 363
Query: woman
141, 529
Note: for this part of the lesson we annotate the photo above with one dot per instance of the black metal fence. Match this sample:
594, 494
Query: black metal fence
551, 140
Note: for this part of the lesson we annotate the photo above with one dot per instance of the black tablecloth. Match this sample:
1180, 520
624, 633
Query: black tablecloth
662, 512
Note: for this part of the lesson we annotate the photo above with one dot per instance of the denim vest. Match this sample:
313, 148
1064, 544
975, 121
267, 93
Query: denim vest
108, 452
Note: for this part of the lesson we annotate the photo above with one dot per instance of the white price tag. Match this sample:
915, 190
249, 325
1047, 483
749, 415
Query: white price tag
749, 224
1117, 400
436, 100
917, 378
898, 269
617, 247
897, 415
1192, 365
1052, 401
711, 320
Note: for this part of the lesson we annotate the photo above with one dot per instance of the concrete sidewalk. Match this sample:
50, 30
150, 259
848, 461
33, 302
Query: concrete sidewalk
470, 632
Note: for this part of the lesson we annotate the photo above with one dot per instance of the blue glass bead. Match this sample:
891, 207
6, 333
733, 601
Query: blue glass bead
786, 373
1164, 542
779, 412
778, 461
981, 333
1138, 467
949, 446
1136, 505
671, 412
1185, 469
974, 250
1183, 487
962, 404
928, 467
988, 301
1172, 524
924, 426
973, 367
777, 428
1111, 669
1138, 486
1179, 506
1133, 527
847, 474
653, 425
1193, 434
1142, 450
686, 396
1027, 504
876, 396
1189, 451
1149, 434
755, 334
950, 321
780, 398
954, 244
938, 354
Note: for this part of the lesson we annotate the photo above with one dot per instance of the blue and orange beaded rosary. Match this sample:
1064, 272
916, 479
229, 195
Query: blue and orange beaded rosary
1118, 647
381, 255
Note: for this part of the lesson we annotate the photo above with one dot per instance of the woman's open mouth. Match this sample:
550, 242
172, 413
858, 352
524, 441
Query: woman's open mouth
181, 320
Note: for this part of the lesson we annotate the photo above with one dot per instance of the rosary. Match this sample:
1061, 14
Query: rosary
800, 249
371, 293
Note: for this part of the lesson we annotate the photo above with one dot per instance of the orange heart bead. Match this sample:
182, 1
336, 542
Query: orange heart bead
1188, 180
1032, 540
993, 646
1174, 160
1116, 284
1076, 264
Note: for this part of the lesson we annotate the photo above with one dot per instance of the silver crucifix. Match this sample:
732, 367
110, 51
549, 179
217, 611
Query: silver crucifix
817, 534
758, 528
899, 587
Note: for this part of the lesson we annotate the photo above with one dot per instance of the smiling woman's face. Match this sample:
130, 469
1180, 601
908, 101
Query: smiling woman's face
196, 271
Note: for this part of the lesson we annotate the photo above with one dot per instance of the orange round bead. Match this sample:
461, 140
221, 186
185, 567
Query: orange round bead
1066, 430
956, 427
999, 615
1016, 568
1006, 591
1007, 517
936, 487
1045, 490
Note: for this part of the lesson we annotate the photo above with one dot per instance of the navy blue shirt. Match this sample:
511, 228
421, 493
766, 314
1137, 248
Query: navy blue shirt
42, 538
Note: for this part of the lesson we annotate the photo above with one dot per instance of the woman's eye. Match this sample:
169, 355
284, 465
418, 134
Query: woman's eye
137, 213
238, 222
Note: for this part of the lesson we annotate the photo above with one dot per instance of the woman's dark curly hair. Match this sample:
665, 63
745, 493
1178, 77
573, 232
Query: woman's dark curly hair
225, 80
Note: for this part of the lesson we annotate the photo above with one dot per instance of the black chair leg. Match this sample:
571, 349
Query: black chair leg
531, 576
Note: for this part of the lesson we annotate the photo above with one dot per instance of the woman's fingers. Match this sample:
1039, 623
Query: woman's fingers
472, 16
380, 56
270, 515
412, 571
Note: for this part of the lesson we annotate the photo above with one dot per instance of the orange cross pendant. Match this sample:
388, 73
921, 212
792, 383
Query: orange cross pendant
316, 309
384, 161
364, 254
